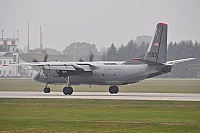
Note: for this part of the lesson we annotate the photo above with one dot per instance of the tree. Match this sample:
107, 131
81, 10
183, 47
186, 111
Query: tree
171, 51
120, 53
112, 52
104, 56
141, 49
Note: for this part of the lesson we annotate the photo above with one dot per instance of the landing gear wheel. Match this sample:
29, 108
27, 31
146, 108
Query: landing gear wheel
47, 90
67, 90
113, 89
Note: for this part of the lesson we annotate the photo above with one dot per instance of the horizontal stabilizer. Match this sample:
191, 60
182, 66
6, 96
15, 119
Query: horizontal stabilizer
178, 61
148, 62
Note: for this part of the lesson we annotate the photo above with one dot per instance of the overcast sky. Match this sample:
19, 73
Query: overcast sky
99, 22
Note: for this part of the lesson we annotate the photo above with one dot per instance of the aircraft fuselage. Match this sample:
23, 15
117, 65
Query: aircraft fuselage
105, 75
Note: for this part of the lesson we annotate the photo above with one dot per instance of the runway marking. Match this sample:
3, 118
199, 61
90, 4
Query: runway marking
103, 95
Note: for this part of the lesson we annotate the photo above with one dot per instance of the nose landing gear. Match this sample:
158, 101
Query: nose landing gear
47, 89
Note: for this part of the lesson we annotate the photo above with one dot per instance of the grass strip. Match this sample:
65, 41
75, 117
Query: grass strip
77, 115
146, 86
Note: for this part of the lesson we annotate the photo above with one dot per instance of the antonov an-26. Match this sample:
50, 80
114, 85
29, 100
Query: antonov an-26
111, 73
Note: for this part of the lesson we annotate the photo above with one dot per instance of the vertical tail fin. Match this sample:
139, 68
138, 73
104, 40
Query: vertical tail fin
157, 51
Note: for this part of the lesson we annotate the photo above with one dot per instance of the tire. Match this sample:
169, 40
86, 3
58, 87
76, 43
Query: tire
67, 90
113, 89
47, 90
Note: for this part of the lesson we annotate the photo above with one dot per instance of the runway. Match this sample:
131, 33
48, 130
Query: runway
103, 95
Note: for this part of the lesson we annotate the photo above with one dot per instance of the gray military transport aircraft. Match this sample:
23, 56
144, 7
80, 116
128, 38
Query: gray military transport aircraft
111, 73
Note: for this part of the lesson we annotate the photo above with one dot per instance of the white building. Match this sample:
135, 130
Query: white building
8, 55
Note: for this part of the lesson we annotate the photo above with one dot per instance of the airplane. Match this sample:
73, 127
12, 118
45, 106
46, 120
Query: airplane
111, 73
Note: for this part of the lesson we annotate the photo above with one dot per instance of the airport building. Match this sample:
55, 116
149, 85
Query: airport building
8, 55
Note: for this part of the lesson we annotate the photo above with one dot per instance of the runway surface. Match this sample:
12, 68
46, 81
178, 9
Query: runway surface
103, 95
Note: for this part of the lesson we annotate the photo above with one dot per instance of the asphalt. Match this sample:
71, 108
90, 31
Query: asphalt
103, 95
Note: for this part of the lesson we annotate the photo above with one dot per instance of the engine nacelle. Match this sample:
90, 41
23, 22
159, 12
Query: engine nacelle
62, 71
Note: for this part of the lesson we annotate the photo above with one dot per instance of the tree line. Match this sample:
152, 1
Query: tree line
180, 50
127, 52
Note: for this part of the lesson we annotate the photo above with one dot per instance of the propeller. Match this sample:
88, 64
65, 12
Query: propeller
45, 58
91, 57
81, 60
35, 60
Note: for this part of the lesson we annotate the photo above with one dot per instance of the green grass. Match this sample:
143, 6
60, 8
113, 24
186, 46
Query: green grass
67, 115
155, 85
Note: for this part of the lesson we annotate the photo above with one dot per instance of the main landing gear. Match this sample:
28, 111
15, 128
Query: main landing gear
113, 89
67, 90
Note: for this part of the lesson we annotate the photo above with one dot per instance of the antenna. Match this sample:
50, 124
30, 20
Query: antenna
74, 50
2, 33
41, 37
18, 45
18, 37
28, 36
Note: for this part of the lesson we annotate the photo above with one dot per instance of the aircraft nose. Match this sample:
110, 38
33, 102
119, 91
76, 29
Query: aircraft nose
37, 76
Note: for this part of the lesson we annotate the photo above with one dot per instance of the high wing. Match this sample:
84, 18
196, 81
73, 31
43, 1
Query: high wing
63, 66
68, 66
59, 66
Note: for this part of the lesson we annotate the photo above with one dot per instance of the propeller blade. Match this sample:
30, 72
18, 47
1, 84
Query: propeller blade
81, 60
91, 57
46, 57
35, 60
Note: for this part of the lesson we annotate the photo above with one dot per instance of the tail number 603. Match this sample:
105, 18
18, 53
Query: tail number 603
153, 54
